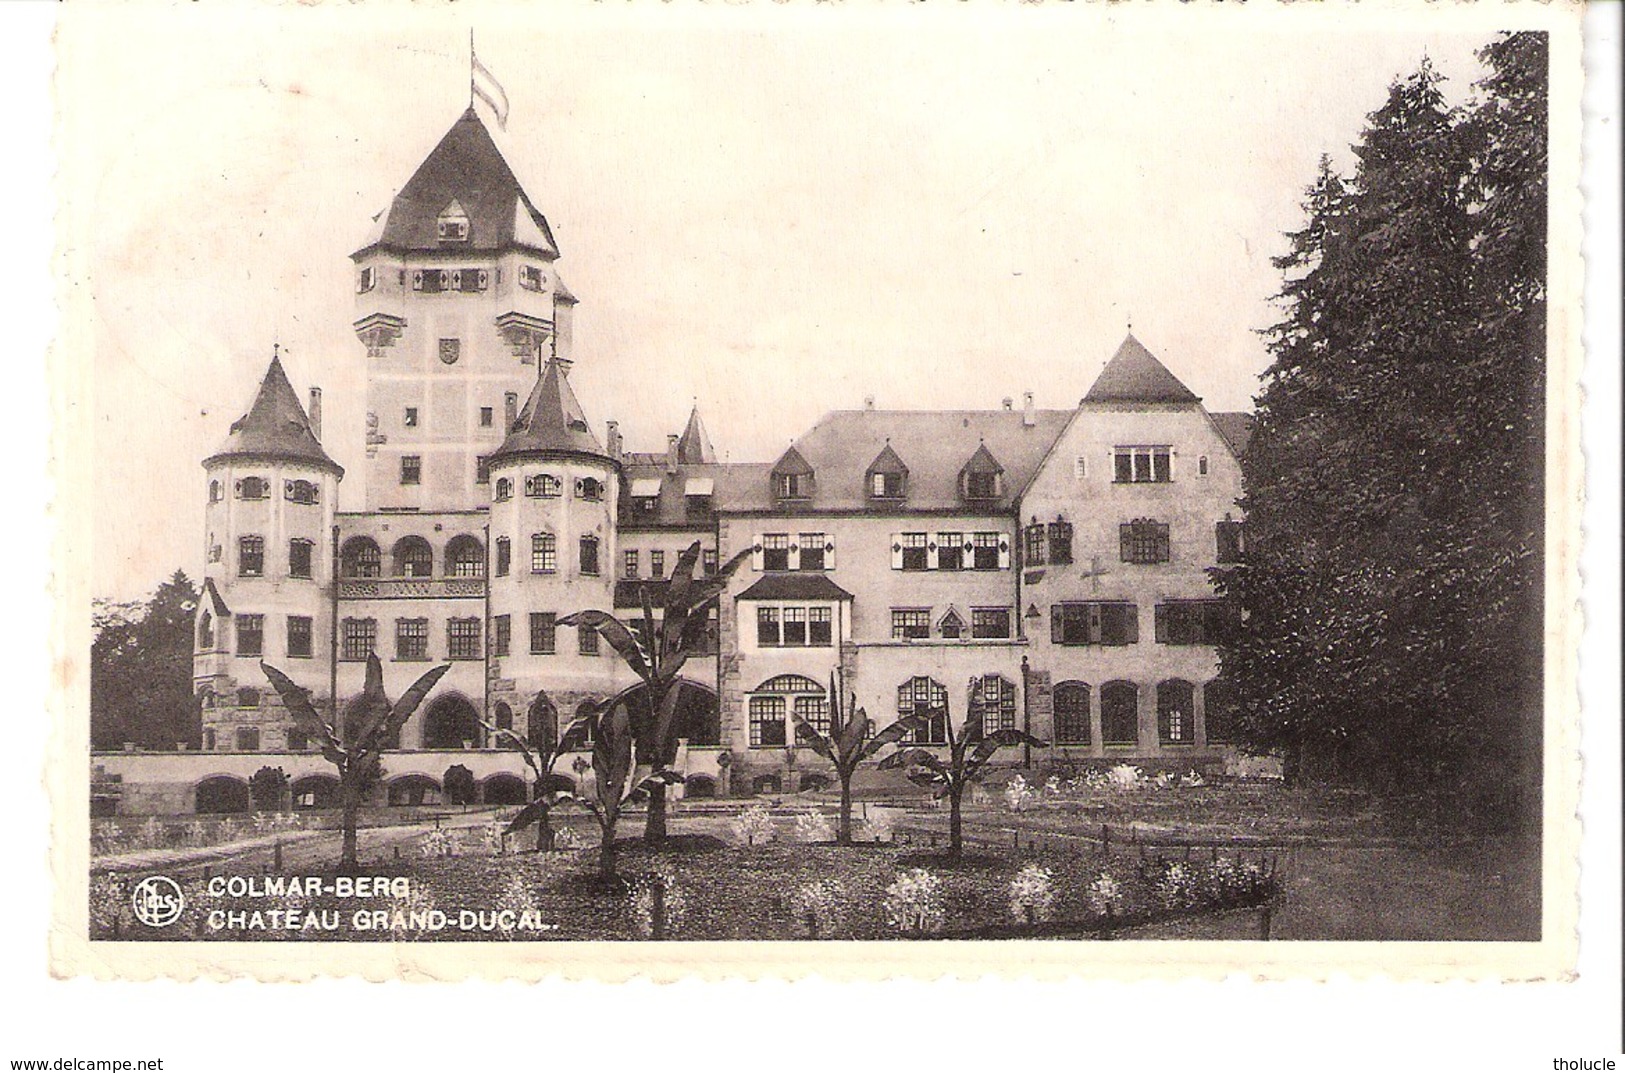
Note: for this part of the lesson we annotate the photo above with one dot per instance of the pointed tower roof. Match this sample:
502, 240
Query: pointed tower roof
1135, 375
551, 423
275, 428
888, 461
465, 173
694, 446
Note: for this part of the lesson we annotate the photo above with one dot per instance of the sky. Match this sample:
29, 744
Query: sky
771, 218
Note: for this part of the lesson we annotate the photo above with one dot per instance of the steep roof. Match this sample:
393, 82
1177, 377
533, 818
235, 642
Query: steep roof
937, 443
694, 445
982, 461
275, 428
466, 168
1135, 375
887, 461
791, 463
1236, 427
551, 422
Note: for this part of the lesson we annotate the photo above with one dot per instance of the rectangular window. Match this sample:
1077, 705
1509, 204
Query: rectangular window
818, 627
360, 637
990, 622
766, 722
629, 563
411, 419
986, 552
1034, 545
909, 624
543, 633
504, 556
544, 553
250, 556
776, 551
767, 627
543, 486
1194, 622
1060, 542
299, 636
1094, 623
1141, 465
1143, 541
1080, 467
366, 280
981, 486
412, 638
463, 638
915, 554
886, 485
814, 711
795, 627
587, 640
1231, 543
248, 739
250, 635
589, 488
589, 555
812, 551
299, 557
482, 469
411, 469
657, 564
501, 635
487, 416
792, 485
708, 561
951, 551
530, 277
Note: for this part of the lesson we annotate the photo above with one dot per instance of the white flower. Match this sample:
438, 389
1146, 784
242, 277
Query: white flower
641, 903
877, 827
1017, 795
1193, 778
436, 843
1104, 894
1125, 777
813, 827
1032, 894
914, 902
817, 908
754, 825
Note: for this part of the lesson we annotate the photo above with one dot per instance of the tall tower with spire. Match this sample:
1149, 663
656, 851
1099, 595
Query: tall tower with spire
460, 306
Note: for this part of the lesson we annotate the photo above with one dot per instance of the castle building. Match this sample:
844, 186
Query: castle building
1056, 561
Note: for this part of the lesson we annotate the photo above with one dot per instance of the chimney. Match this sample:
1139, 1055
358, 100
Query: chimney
868, 402
671, 453
1029, 417
510, 411
1009, 403
612, 439
316, 412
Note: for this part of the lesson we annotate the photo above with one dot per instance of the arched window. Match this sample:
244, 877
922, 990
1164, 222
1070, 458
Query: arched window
1120, 713
998, 696
1072, 713
925, 697
253, 488
413, 557
772, 703
465, 557
504, 716
205, 632
360, 558
583, 711
504, 488
1218, 712
451, 721
1176, 712
542, 722
215, 492
300, 491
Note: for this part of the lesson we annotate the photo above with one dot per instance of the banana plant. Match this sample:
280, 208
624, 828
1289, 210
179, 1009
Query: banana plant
354, 747
966, 760
849, 743
656, 654
551, 787
617, 775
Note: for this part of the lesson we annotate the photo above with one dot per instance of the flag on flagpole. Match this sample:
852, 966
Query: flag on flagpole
488, 89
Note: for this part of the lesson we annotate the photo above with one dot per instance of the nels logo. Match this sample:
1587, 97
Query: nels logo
157, 901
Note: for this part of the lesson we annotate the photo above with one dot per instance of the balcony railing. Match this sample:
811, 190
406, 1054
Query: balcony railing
411, 588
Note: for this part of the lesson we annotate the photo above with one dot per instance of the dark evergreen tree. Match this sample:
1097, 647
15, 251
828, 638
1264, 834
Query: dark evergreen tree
141, 670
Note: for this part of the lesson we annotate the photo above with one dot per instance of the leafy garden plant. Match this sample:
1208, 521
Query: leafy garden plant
848, 743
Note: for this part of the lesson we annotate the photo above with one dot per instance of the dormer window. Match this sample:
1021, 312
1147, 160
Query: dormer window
452, 226
982, 478
792, 477
981, 486
887, 477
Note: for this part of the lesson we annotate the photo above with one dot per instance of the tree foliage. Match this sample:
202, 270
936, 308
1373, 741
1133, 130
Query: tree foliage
850, 740
141, 670
1391, 584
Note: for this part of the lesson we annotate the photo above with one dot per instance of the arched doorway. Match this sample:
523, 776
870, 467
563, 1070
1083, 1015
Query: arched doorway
414, 790
221, 793
504, 789
450, 722
315, 791
697, 786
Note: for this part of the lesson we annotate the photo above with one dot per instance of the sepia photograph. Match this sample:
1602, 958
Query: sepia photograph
1082, 488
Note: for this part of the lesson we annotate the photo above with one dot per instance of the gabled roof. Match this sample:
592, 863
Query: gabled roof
466, 168
694, 445
887, 461
791, 463
551, 422
794, 586
213, 599
1236, 427
1135, 375
275, 428
982, 461
841, 446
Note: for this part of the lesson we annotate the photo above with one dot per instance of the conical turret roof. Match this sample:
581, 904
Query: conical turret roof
694, 446
551, 422
465, 173
275, 428
1135, 375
